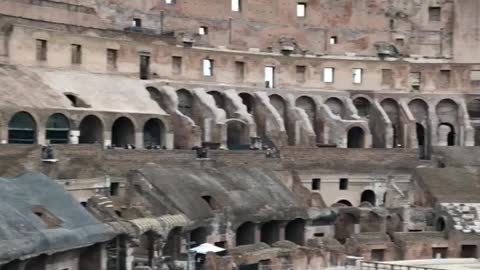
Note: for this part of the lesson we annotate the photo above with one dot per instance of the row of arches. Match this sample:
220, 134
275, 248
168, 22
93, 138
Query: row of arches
23, 129
366, 197
270, 232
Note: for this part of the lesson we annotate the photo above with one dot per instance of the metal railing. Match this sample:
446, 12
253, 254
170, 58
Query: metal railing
386, 266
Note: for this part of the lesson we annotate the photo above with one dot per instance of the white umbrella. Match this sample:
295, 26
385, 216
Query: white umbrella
205, 248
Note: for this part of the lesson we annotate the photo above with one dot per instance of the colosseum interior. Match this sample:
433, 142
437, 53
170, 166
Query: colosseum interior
239, 134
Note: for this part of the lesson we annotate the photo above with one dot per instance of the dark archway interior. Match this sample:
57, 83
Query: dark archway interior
185, 102
58, 128
368, 196
219, 99
249, 101
123, 132
363, 107
451, 133
356, 138
295, 231
270, 232
422, 151
336, 106
246, 234
198, 236
440, 224
153, 133
237, 135
474, 109
174, 244
345, 202
91, 130
22, 129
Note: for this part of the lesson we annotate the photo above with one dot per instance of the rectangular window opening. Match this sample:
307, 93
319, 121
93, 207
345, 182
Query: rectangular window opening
378, 255
316, 182
469, 251
301, 73
112, 58
333, 40
357, 74
76, 54
176, 64
387, 77
136, 22
434, 14
41, 50
207, 67
439, 253
301, 9
328, 75
445, 77
269, 77
236, 5
203, 30
144, 67
415, 79
318, 234
239, 70
343, 185
114, 187
169, 2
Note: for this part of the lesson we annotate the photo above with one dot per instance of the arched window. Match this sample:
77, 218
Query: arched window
246, 234
295, 231
249, 101
91, 130
363, 107
446, 134
270, 232
153, 133
308, 105
392, 109
58, 128
22, 129
356, 138
123, 132
336, 106
237, 135
368, 196
185, 102
219, 99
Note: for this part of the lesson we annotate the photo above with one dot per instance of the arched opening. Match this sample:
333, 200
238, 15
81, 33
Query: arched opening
146, 248
237, 135
308, 105
391, 108
22, 129
198, 236
295, 231
336, 106
58, 128
246, 234
91, 130
123, 132
270, 232
185, 102
249, 102
279, 104
473, 108
219, 99
153, 131
356, 138
344, 226
174, 244
440, 224
343, 203
363, 107
368, 196
446, 134
422, 152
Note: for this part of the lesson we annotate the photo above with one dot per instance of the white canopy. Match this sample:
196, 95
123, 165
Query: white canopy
205, 248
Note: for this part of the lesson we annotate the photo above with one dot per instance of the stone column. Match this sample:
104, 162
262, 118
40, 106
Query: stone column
169, 141
138, 142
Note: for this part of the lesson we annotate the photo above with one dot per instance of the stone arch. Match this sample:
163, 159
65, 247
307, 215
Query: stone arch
123, 132
345, 226
447, 111
336, 106
146, 247
154, 133
22, 129
237, 135
57, 129
446, 134
249, 102
419, 109
363, 106
440, 224
392, 109
219, 98
368, 196
246, 234
173, 245
91, 130
281, 106
473, 107
270, 232
421, 141
342, 203
185, 102
295, 231
198, 236
308, 105
356, 137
